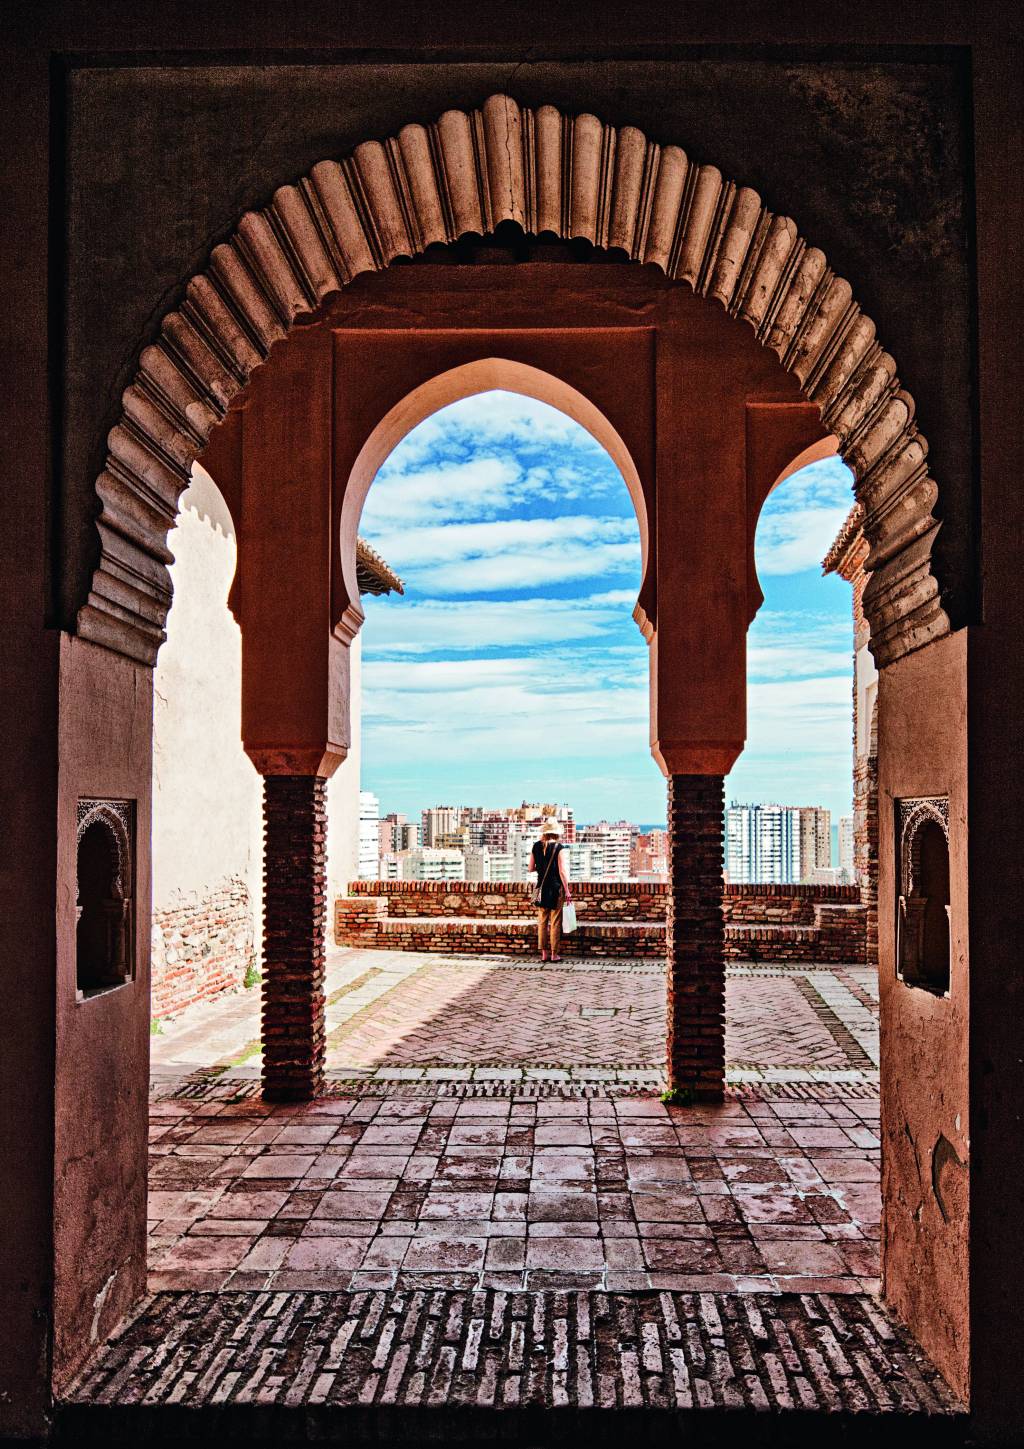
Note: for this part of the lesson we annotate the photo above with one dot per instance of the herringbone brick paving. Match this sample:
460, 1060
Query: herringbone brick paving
396, 1013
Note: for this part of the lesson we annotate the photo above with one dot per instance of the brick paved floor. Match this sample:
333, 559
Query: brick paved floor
436, 1189
669, 1359
487, 1125
393, 1014
491, 1208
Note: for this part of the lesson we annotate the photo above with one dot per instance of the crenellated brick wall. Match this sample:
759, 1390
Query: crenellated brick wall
201, 947
763, 922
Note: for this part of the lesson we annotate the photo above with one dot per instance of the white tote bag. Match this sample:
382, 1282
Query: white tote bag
568, 918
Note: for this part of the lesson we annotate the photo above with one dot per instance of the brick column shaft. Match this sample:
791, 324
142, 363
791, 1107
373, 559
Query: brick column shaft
294, 925
696, 936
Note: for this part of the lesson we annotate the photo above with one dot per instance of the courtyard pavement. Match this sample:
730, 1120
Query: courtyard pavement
394, 1016
490, 1126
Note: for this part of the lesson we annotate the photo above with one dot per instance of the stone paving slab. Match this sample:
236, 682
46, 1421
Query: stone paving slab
456, 1366
593, 1190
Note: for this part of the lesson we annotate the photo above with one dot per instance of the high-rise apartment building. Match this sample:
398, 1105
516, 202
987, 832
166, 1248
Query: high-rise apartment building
369, 835
484, 864
398, 833
614, 842
815, 841
586, 862
847, 868
532, 816
439, 820
648, 855
762, 844
458, 839
390, 867
428, 863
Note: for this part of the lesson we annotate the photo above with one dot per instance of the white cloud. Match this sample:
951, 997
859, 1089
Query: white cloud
802, 517
561, 693
801, 715
510, 710
478, 488
792, 542
531, 569
787, 645
491, 417
472, 625
514, 553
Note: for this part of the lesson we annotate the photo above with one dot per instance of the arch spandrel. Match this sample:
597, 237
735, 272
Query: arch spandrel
466, 174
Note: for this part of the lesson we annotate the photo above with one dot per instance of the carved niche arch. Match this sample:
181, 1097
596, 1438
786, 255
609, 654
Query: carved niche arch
923, 902
103, 893
548, 172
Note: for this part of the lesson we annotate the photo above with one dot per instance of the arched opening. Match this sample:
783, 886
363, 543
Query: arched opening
799, 678
506, 686
494, 374
923, 946
795, 912
103, 937
207, 823
543, 172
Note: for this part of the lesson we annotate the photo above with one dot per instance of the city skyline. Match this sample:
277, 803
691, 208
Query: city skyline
764, 843
513, 654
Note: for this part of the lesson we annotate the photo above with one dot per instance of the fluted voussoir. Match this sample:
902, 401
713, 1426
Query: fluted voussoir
308, 253
548, 171
210, 312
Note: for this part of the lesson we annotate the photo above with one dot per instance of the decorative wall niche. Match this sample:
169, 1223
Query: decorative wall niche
922, 876
105, 876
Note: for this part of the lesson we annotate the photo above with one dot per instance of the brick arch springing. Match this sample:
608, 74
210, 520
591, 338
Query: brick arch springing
466, 174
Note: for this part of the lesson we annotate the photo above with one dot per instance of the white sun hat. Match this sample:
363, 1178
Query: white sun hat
551, 826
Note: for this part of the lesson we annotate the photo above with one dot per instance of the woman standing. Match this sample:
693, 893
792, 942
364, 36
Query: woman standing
550, 861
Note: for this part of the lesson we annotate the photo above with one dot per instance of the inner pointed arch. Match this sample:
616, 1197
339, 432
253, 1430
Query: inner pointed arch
491, 374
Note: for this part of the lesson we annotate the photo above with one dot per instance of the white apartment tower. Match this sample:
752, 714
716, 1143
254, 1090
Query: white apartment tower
440, 820
847, 868
762, 844
369, 835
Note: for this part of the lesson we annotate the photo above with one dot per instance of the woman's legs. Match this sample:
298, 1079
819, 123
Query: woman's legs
542, 932
555, 927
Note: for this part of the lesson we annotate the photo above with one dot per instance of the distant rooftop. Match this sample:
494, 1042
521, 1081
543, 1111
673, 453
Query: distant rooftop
373, 574
852, 524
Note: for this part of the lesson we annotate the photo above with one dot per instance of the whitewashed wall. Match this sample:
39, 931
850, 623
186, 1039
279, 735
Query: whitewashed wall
207, 797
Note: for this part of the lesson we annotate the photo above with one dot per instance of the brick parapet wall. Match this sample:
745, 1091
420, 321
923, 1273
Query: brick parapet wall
762, 922
202, 947
607, 900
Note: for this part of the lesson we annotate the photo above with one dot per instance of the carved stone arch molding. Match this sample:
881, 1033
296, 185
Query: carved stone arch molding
913, 814
466, 174
116, 817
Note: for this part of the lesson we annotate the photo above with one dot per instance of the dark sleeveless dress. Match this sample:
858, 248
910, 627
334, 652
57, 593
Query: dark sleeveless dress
551, 891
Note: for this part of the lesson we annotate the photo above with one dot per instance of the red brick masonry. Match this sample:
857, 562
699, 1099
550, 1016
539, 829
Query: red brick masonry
695, 1044
294, 927
762, 922
201, 948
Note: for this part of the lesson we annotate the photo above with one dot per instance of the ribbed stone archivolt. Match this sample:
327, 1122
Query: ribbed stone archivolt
549, 172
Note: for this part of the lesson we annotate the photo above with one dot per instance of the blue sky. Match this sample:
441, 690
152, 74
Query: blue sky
512, 668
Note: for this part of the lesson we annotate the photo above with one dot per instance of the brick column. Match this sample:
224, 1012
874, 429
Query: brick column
696, 937
294, 924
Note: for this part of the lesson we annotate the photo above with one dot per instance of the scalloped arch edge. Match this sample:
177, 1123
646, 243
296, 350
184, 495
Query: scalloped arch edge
548, 171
